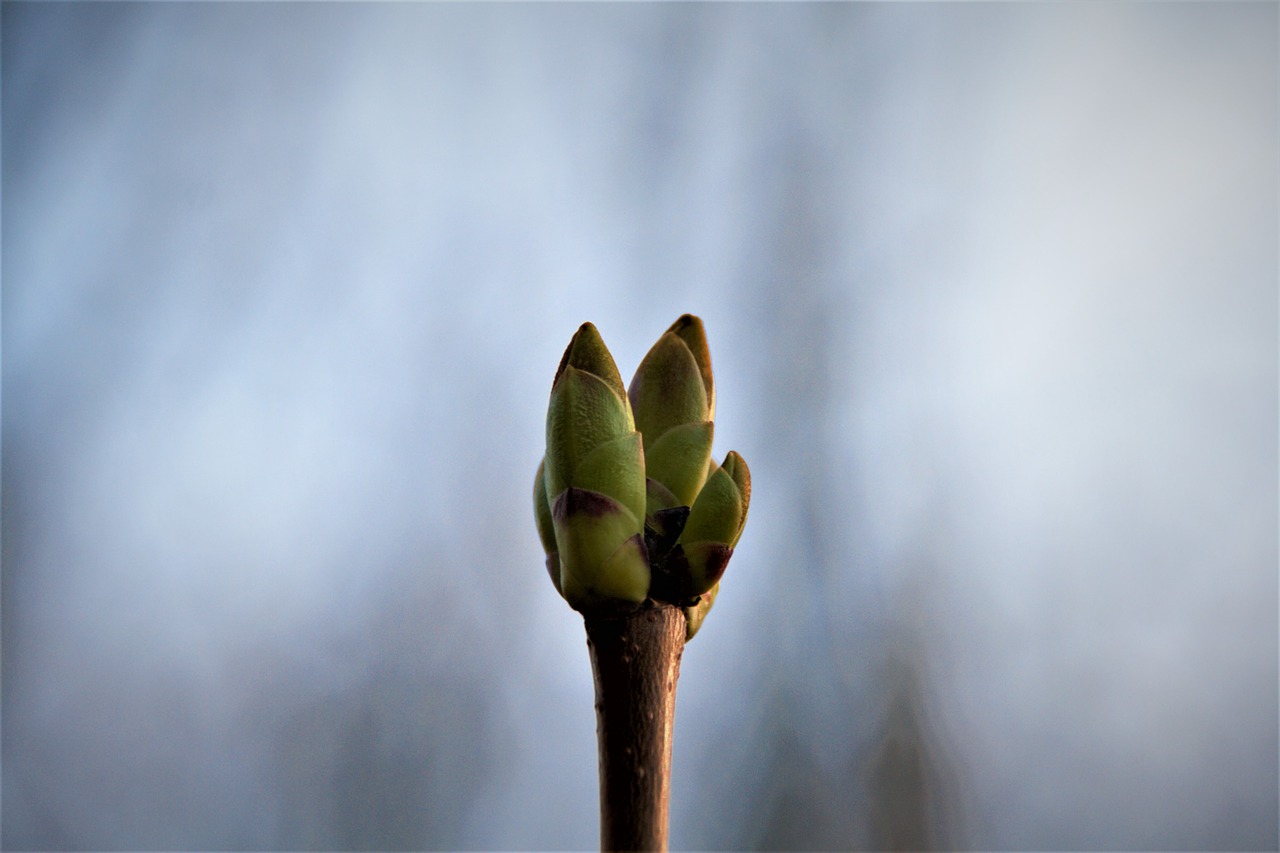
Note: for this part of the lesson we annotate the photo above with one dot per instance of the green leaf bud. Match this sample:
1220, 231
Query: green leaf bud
673, 398
594, 480
715, 523
628, 501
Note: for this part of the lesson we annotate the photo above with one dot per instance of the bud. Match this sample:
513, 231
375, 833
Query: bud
593, 480
673, 397
701, 554
628, 501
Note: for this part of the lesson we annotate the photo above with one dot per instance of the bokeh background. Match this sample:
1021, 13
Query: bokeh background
992, 296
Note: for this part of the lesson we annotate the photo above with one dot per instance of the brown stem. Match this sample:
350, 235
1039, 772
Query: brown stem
636, 662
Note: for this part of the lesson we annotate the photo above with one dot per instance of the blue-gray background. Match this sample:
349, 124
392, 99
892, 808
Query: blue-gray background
992, 296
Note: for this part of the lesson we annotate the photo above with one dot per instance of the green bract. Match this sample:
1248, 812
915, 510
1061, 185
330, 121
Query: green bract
628, 500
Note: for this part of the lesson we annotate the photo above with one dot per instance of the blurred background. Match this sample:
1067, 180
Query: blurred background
991, 291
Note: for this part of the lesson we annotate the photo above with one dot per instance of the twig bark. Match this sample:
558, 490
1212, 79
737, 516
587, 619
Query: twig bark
636, 662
